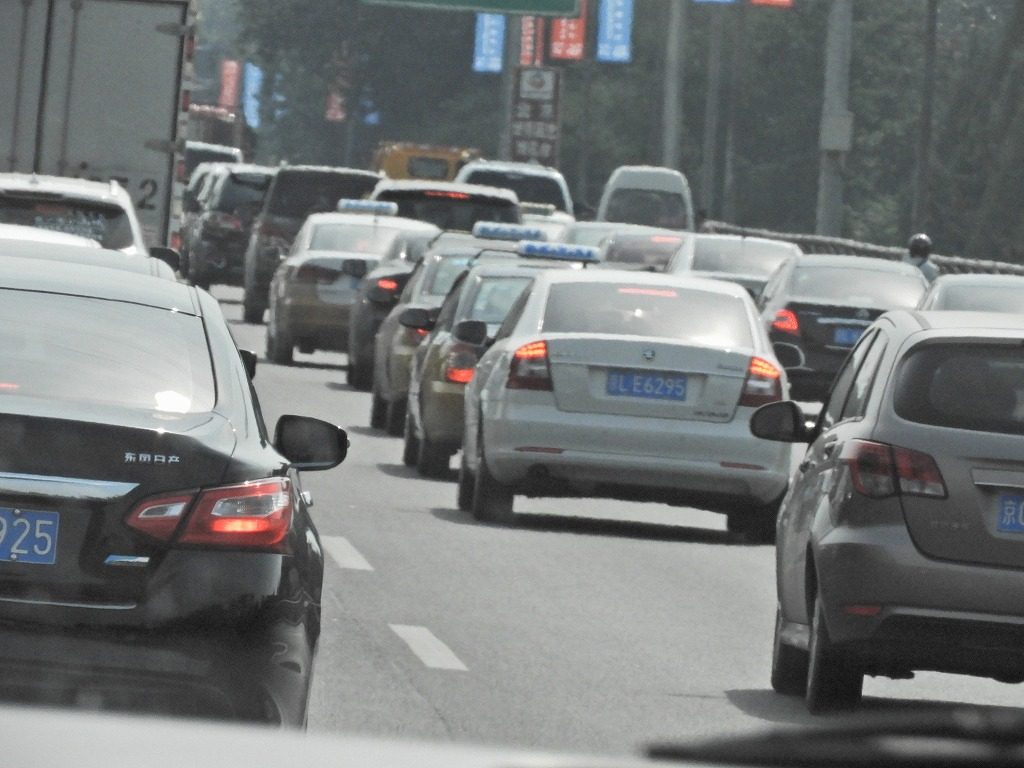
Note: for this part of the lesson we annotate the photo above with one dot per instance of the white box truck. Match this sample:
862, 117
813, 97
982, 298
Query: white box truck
98, 89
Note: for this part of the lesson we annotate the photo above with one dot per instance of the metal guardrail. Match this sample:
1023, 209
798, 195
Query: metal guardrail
954, 265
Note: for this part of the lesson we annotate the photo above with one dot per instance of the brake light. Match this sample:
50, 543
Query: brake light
530, 368
449, 195
879, 470
763, 383
460, 364
665, 293
256, 514
786, 321
665, 239
413, 336
159, 517
387, 284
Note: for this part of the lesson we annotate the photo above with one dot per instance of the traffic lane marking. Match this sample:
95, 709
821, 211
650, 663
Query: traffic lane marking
344, 554
431, 651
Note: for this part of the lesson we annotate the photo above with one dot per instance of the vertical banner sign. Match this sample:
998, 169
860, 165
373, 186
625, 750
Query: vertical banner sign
230, 80
251, 94
490, 42
614, 31
527, 40
535, 119
538, 43
568, 36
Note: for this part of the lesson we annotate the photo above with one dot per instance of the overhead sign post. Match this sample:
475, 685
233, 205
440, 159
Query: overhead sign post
615, 31
535, 124
489, 47
516, 7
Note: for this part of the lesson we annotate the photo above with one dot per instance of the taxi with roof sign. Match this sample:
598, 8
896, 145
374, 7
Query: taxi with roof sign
625, 385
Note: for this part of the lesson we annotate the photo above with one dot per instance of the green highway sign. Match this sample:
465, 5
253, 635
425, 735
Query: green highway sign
524, 7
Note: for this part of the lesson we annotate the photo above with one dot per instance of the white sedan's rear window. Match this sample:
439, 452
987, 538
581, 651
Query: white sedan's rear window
697, 317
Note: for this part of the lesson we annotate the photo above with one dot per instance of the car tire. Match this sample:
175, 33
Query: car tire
432, 459
411, 448
789, 664
492, 501
464, 497
834, 680
378, 412
395, 420
280, 347
754, 523
359, 375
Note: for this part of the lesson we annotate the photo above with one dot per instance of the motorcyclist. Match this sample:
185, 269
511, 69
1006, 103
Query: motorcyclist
919, 250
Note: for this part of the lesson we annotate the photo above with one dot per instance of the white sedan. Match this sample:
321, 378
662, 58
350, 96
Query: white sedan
626, 385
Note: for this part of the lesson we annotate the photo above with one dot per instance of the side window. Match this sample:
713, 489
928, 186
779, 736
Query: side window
512, 320
412, 287
864, 380
446, 315
832, 411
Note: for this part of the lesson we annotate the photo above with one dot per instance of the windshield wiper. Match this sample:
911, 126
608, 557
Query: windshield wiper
960, 737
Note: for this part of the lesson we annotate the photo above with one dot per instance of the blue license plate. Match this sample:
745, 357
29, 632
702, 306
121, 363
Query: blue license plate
846, 337
1011, 513
654, 386
28, 536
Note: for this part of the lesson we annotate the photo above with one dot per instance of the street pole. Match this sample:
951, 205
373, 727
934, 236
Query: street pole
737, 88
836, 134
712, 105
513, 42
922, 181
672, 110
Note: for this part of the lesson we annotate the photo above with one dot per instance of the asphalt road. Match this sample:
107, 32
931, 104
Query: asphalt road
592, 626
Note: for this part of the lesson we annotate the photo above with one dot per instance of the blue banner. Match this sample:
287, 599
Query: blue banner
489, 49
615, 31
252, 84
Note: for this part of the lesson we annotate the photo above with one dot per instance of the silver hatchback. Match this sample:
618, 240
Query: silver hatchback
901, 539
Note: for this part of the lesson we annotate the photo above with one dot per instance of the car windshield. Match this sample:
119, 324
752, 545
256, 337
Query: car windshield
738, 257
696, 317
529, 188
356, 238
122, 354
109, 225
296, 194
652, 208
856, 287
456, 211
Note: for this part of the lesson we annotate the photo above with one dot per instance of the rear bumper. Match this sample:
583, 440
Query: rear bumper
304, 318
934, 615
219, 258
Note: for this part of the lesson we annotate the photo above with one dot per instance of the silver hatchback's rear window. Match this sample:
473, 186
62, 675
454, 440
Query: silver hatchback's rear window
963, 385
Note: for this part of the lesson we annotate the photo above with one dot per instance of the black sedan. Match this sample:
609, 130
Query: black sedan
817, 307
156, 551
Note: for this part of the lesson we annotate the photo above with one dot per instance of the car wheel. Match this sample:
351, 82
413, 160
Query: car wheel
492, 501
378, 411
359, 374
754, 523
432, 459
789, 664
466, 483
834, 680
280, 347
395, 420
411, 450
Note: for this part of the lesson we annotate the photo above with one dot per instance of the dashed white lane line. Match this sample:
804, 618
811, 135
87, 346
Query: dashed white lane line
344, 554
430, 650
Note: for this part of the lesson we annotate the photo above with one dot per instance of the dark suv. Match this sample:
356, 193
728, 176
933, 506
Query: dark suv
218, 230
295, 192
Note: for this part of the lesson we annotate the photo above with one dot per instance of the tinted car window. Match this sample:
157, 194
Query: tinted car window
533, 189
240, 190
833, 410
645, 206
652, 251
494, 296
299, 193
725, 256
859, 287
708, 319
963, 385
106, 224
864, 381
122, 354
349, 237
981, 298
433, 168
451, 210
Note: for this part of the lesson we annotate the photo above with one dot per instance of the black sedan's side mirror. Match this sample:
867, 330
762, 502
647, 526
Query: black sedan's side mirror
167, 255
789, 355
470, 332
782, 422
416, 317
310, 444
249, 361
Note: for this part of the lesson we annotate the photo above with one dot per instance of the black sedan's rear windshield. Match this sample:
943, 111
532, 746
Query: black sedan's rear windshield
697, 317
856, 287
451, 210
106, 224
75, 349
242, 190
529, 188
296, 194
976, 386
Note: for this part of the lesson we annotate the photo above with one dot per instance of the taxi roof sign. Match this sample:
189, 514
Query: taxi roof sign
491, 230
374, 207
563, 251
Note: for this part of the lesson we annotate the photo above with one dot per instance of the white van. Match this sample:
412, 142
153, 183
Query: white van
649, 195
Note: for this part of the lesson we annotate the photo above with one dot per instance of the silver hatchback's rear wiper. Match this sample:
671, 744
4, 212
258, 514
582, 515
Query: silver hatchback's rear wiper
944, 739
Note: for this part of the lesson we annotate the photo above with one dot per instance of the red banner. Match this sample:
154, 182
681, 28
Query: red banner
776, 3
568, 36
527, 41
230, 81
